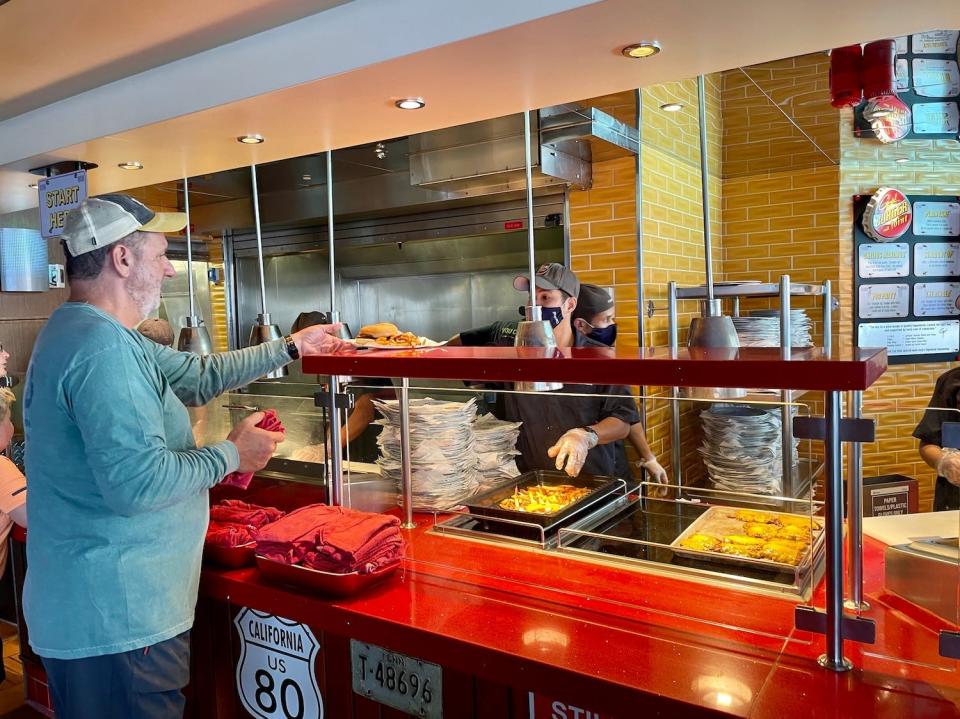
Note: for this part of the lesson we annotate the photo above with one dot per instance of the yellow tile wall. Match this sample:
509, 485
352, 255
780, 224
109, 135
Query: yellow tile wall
898, 399
603, 224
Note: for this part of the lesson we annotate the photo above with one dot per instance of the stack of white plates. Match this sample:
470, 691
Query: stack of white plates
742, 448
762, 329
443, 454
496, 450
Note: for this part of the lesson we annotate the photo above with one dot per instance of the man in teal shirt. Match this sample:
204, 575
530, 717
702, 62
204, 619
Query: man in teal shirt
118, 489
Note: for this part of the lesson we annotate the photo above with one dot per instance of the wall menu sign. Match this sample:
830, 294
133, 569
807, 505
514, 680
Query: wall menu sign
59, 195
884, 301
907, 289
935, 299
928, 84
936, 259
275, 675
891, 259
911, 338
941, 219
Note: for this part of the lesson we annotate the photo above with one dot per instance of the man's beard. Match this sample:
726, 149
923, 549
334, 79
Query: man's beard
144, 293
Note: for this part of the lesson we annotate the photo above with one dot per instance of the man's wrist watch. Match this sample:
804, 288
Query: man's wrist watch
592, 431
292, 347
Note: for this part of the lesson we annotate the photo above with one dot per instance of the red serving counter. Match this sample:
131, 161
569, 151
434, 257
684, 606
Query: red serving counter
521, 634
510, 627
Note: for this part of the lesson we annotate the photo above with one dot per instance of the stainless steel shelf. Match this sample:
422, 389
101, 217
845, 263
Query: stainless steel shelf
753, 289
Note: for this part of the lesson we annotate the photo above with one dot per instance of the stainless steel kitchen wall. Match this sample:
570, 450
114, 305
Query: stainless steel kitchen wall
436, 305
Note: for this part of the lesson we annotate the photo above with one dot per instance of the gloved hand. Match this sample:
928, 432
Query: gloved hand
657, 473
949, 465
571, 450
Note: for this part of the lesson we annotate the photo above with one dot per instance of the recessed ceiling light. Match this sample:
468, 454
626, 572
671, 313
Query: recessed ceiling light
132, 165
33, 185
250, 139
671, 107
901, 160
306, 178
641, 49
410, 103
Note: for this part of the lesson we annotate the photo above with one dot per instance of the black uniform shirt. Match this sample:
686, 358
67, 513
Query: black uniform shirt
548, 415
946, 397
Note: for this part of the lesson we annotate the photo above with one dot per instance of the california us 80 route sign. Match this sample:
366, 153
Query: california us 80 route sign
275, 674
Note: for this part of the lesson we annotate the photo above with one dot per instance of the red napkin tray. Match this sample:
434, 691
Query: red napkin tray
327, 583
233, 557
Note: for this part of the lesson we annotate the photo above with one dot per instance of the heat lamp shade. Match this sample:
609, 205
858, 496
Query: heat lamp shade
23, 261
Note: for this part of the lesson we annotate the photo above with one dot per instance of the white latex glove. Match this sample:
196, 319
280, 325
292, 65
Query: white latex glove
949, 465
571, 450
320, 339
657, 473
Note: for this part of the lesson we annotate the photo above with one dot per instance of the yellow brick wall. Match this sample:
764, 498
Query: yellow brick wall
603, 224
898, 399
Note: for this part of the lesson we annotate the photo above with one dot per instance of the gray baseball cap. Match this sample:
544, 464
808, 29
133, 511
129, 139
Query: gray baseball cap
102, 220
553, 276
591, 301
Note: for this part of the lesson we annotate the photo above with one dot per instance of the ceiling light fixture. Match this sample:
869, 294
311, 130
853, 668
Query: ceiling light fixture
306, 178
131, 165
410, 103
671, 107
250, 139
641, 49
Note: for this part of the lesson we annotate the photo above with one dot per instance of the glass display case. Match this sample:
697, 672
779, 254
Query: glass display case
741, 538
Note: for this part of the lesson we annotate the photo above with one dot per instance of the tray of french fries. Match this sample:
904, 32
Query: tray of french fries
750, 537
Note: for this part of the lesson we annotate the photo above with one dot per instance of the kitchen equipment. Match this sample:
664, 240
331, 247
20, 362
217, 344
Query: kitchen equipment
264, 330
194, 336
533, 330
925, 573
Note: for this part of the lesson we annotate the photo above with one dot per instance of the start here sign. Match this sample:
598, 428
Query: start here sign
59, 195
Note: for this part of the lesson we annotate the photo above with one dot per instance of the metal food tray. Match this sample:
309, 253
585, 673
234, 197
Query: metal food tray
233, 557
331, 584
487, 504
716, 521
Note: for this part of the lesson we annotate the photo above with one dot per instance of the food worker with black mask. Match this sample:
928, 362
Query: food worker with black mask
946, 460
561, 432
595, 318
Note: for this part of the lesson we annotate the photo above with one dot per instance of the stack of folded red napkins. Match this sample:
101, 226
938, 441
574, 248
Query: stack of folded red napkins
332, 539
233, 522
271, 423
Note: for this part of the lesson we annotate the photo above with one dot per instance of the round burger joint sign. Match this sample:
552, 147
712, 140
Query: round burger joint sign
888, 215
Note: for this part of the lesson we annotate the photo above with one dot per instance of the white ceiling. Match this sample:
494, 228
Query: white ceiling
49, 51
469, 60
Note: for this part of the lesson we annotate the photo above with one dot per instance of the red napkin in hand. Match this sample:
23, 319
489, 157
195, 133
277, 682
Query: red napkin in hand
271, 423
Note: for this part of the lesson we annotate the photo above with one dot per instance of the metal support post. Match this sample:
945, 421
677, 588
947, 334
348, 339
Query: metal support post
406, 475
786, 410
833, 658
674, 391
827, 318
335, 481
855, 513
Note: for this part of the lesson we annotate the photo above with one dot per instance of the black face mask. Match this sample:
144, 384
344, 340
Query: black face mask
604, 335
553, 315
